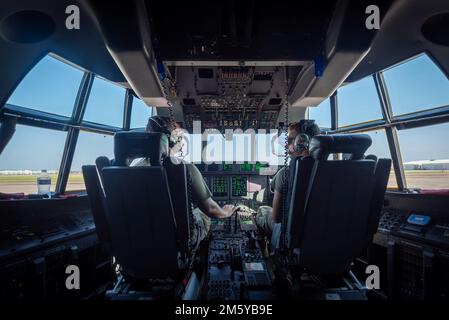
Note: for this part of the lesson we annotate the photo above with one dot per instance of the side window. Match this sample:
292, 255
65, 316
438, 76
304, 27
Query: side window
416, 85
140, 113
425, 153
105, 104
358, 102
321, 114
89, 147
51, 86
30, 151
380, 149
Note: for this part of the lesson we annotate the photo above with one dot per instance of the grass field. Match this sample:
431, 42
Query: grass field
426, 179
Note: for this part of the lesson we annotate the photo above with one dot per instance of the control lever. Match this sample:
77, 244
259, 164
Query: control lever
252, 242
242, 291
237, 220
236, 259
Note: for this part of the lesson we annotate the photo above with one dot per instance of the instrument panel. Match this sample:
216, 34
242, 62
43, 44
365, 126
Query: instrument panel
242, 183
239, 186
219, 186
237, 268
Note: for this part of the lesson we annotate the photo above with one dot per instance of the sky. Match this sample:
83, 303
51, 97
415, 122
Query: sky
51, 86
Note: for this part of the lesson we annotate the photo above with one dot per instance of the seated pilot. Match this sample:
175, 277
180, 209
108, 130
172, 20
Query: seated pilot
205, 206
299, 136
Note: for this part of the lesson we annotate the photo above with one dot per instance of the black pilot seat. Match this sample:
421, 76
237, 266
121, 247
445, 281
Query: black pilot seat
144, 217
333, 209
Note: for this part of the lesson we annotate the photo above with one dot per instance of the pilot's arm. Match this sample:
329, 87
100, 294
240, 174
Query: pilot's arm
276, 186
213, 210
202, 196
277, 206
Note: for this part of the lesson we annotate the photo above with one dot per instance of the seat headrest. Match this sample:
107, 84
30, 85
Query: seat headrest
371, 157
129, 145
322, 146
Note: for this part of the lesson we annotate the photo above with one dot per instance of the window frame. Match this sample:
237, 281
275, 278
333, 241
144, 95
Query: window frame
391, 123
404, 61
72, 125
93, 124
131, 96
367, 122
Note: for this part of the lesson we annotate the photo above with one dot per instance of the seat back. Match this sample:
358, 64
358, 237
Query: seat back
180, 186
141, 220
382, 175
98, 206
102, 162
154, 148
299, 177
330, 204
152, 201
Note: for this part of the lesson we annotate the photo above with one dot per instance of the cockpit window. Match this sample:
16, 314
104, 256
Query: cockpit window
140, 113
358, 102
380, 149
105, 104
416, 85
30, 151
425, 156
51, 86
89, 147
321, 114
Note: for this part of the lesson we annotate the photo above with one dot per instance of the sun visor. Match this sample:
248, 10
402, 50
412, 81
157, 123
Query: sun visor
128, 40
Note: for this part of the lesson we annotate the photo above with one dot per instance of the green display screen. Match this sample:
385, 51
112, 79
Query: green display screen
239, 186
259, 165
227, 167
220, 186
246, 167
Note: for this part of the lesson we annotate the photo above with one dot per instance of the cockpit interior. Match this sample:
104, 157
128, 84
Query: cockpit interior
224, 150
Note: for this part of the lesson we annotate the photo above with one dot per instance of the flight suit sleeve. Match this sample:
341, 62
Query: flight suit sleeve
200, 191
278, 181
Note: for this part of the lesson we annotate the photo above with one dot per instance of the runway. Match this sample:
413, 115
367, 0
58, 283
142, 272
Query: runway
415, 179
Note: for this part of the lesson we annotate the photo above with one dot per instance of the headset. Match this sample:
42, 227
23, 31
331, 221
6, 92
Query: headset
302, 140
301, 143
161, 124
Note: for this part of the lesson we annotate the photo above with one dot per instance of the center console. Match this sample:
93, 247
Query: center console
236, 265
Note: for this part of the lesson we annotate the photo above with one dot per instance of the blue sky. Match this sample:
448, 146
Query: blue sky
52, 86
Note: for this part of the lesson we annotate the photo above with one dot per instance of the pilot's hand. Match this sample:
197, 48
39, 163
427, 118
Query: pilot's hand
229, 209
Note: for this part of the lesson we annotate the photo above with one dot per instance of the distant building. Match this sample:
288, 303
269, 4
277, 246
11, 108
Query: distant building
25, 172
427, 165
